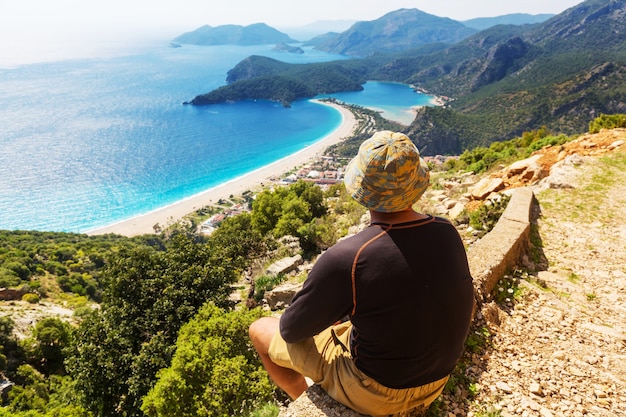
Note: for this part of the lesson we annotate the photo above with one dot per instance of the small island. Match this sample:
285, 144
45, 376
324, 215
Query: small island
255, 34
283, 47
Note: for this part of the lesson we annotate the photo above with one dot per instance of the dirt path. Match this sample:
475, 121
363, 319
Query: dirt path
559, 347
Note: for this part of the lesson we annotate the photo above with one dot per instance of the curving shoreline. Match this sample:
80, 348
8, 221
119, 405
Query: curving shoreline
164, 216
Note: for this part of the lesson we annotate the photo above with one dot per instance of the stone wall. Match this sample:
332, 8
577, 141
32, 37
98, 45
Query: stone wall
503, 247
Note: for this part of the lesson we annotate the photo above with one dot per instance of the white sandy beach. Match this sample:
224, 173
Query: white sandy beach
144, 224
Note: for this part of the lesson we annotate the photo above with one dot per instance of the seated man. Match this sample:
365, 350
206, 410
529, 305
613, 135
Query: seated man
382, 318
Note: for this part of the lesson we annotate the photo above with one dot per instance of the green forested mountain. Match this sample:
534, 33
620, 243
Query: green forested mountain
591, 24
506, 80
501, 81
259, 77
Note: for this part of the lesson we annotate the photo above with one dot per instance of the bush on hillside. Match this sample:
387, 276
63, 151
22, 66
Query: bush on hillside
75, 261
487, 215
31, 298
606, 121
215, 370
481, 159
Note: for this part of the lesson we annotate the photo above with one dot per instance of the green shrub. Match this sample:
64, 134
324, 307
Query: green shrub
606, 121
18, 269
31, 298
478, 339
6, 330
482, 159
547, 141
266, 283
488, 214
45, 347
267, 410
507, 289
214, 371
83, 312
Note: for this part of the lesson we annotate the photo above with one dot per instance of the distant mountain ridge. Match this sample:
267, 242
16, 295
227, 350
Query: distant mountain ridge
255, 34
482, 23
396, 31
559, 74
500, 82
592, 24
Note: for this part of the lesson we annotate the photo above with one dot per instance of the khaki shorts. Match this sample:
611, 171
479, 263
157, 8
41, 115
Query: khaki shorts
326, 359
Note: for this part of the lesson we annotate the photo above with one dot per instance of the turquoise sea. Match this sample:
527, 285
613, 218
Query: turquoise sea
86, 143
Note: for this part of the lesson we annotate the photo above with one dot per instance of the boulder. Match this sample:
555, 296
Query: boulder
485, 187
563, 174
456, 211
528, 170
519, 167
285, 265
281, 296
10, 294
449, 204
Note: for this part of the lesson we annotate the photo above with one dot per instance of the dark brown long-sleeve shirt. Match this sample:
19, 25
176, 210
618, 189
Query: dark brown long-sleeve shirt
408, 292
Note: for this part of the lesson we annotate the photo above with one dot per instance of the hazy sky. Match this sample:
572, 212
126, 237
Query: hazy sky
64, 15
33, 29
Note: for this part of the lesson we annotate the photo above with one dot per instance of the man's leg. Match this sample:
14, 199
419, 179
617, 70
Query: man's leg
261, 333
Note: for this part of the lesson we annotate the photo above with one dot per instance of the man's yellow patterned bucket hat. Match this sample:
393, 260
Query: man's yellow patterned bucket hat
388, 174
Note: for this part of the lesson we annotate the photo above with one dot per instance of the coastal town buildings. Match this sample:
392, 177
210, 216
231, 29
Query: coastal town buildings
324, 172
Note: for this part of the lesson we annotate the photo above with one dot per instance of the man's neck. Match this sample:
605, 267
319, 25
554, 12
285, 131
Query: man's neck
403, 216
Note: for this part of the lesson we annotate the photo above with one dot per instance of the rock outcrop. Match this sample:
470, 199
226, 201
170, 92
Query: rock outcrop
316, 403
281, 296
285, 265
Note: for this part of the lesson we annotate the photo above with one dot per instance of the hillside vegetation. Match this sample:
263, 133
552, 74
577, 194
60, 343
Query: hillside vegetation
156, 330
